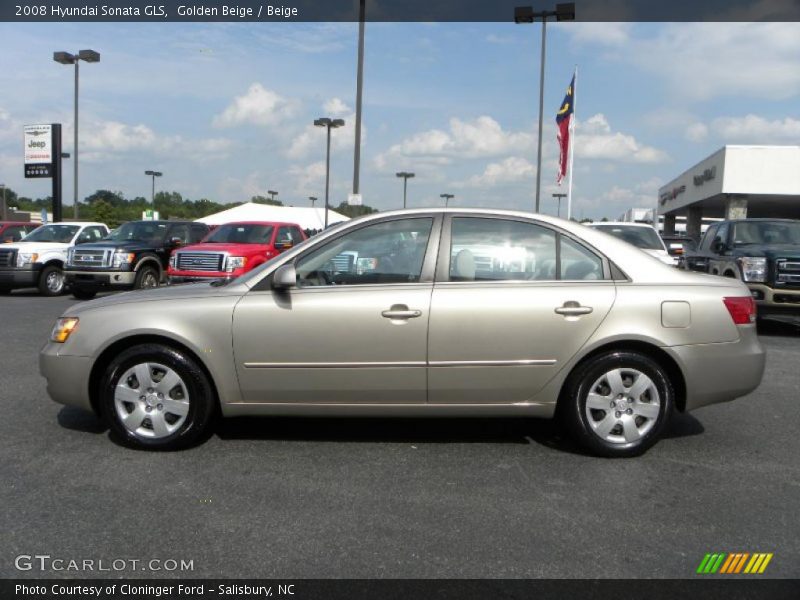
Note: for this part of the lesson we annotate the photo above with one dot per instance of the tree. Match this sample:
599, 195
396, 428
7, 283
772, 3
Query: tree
354, 210
263, 200
102, 211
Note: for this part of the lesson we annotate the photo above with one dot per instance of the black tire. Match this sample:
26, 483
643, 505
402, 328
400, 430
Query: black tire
201, 397
80, 294
145, 275
573, 404
51, 281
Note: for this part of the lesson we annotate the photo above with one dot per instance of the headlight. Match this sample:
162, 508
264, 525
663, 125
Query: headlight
173, 262
70, 255
26, 258
754, 268
122, 258
235, 262
64, 327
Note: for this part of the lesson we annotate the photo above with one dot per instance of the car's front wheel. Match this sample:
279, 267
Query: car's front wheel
617, 404
156, 397
51, 281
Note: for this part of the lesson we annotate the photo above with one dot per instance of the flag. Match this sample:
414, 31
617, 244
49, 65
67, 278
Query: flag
564, 122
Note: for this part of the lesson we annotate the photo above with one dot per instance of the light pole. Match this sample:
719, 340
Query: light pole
447, 198
526, 14
65, 58
406, 176
558, 197
153, 174
359, 91
313, 200
329, 124
272, 195
5, 206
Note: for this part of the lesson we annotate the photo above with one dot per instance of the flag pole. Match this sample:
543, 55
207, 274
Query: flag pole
572, 142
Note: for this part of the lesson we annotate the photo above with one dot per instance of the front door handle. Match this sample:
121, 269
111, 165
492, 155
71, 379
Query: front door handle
401, 311
573, 309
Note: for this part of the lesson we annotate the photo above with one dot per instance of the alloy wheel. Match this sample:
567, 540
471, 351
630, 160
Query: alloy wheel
151, 400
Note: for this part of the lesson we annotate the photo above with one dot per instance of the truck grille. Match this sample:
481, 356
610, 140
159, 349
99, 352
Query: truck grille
200, 261
91, 258
8, 258
788, 272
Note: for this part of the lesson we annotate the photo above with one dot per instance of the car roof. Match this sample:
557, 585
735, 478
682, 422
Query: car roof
279, 223
4, 223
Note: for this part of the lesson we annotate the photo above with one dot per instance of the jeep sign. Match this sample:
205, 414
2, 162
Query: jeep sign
38, 141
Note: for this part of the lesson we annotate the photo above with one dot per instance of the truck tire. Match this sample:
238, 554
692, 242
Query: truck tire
80, 294
147, 277
51, 281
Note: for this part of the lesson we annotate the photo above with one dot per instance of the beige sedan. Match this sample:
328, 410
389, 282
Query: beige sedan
425, 313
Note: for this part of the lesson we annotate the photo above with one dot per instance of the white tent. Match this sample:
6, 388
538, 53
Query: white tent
307, 218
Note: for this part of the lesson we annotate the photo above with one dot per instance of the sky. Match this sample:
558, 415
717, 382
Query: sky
225, 110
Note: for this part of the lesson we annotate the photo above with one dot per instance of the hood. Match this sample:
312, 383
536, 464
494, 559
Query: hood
34, 246
190, 291
127, 245
233, 249
772, 251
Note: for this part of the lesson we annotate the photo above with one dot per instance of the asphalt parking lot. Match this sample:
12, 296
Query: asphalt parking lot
309, 498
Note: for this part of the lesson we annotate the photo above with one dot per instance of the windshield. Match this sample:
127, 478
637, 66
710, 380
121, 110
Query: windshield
241, 234
641, 237
58, 233
766, 232
139, 231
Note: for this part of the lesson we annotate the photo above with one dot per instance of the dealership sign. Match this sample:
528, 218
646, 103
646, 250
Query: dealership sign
38, 140
706, 175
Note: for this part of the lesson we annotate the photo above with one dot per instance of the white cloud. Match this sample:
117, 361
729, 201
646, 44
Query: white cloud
309, 180
259, 106
482, 137
311, 140
754, 129
697, 132
105, 139
335, 107
596, 140
510, 170
607, 34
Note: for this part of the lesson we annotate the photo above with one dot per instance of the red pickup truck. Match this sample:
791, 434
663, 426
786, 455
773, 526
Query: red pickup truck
231, 250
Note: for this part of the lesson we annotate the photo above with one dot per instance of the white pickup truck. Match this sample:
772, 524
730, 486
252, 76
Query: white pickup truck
38, 260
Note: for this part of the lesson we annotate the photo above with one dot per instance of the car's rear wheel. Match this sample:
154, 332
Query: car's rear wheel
147, 277
156, 397
617, 404
51, 281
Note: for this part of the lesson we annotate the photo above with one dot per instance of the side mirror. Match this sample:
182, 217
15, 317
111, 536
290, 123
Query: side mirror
284, 245
285, 277
175, 242
718, 246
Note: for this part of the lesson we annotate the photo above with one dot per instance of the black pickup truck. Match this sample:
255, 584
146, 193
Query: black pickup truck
135, 256
764, 253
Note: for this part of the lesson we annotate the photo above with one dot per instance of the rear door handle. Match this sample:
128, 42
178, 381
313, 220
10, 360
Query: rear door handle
573, 309
401, 311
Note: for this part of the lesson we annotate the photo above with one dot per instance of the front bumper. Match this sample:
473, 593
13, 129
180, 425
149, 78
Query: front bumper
94, 280
67, 376
721, 372
775, 301
178, 279
20, 277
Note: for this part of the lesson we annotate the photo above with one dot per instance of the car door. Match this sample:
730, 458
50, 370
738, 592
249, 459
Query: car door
512, 303
354, 330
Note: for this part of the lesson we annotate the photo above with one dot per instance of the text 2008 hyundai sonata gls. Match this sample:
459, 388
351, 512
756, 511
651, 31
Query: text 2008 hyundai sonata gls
419, 312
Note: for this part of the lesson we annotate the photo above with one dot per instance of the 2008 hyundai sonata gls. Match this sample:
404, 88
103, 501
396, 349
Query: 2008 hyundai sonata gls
423, 312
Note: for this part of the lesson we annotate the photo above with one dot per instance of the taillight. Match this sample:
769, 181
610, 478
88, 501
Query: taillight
742, 309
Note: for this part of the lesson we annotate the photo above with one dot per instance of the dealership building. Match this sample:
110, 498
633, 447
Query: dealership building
736, 182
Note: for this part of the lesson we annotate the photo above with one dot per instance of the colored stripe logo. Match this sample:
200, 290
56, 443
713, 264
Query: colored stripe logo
734, 563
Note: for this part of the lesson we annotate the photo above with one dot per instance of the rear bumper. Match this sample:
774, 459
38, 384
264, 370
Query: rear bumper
67, 376
17, 278
721, 372
94, 280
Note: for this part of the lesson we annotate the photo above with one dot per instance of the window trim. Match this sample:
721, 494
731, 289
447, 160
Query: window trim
442, 275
